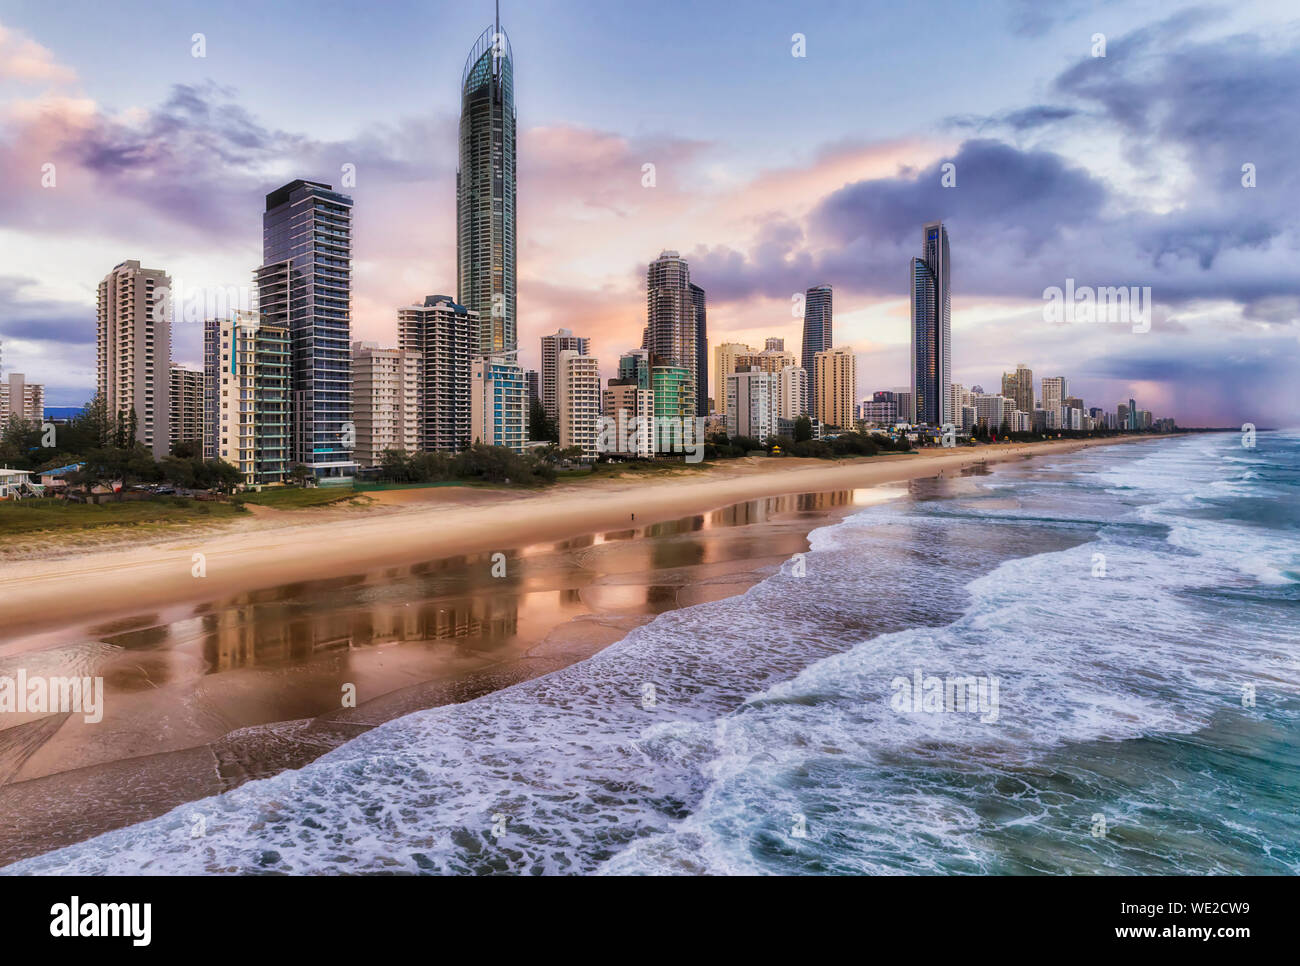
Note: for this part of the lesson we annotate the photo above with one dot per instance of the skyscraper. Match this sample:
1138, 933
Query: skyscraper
1133, 417
485, 191
134, 342
817, 334
701, 351
552, 345
305, 285
932, 329
1024, 396
671, 325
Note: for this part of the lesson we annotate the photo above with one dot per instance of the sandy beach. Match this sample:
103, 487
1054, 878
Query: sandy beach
214, 681
422, 524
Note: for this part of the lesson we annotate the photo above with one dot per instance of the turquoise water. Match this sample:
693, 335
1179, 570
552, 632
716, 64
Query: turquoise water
1131, 612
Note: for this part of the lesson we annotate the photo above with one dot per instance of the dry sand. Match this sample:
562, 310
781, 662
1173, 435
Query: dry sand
406, 526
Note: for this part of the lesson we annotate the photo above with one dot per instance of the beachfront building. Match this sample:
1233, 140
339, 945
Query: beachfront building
1055, 389
21, 398
578, 399
818, 335
486, 232
732, 356
931, 306
186, 388
305, 286
630, 407
752, 404
133, 350
497, 416
671, 324
835, 387
674, 391
701, 371
442, 333
247, 364
791, 387
552, 345
385, 401
991, 411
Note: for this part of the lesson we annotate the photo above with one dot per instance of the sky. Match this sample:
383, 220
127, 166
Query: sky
772, 173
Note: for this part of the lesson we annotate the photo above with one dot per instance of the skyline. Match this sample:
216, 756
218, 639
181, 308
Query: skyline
1022, 215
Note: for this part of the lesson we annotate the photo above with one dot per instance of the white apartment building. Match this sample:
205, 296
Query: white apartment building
385, 401
552, 345
751, 403
578, 400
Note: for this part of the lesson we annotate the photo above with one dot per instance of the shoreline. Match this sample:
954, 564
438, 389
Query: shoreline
59, 785
37, 596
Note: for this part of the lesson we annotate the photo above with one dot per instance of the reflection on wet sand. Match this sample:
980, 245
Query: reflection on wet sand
246, 686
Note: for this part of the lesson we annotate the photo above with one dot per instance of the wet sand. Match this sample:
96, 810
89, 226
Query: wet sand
408, 526
202, 698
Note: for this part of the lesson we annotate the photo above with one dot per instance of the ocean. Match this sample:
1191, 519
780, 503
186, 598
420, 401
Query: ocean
1125, 621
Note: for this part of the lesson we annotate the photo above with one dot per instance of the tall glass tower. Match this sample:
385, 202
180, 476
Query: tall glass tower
305, 285
932, 329
818, 335
485, 191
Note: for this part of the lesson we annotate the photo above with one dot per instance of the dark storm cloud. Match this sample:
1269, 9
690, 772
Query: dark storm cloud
1180, 111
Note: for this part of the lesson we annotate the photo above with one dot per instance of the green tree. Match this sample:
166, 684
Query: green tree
540, 426
802, 429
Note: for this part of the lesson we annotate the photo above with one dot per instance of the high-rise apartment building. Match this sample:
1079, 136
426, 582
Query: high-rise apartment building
21, 398
818, 334
486, 231
836, 387
444, 335
386, 391
932, 329
1055, 389
751, 403
671, 326
630, 405
533, 386
247, 367
578, 398
1024, 388
552, 345
305, 285
186, 388
497, 402
134, 341
791, 391
701, 369
732, 356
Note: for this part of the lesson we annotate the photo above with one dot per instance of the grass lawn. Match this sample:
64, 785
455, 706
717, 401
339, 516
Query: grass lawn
27, 517
296, 497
